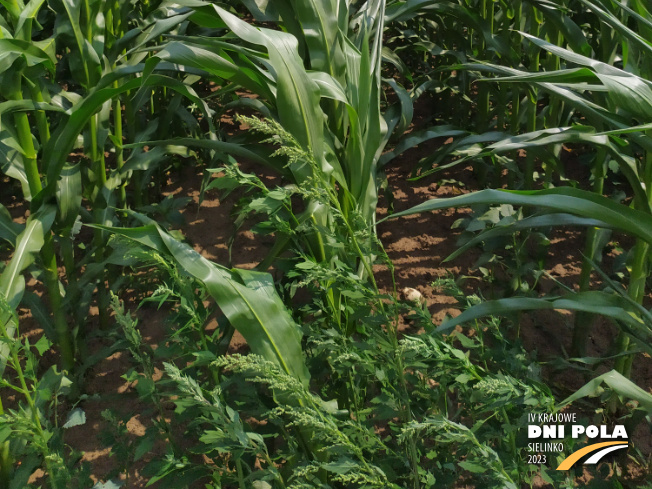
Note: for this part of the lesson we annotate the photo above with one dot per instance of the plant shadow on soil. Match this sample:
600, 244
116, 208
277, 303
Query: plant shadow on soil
417, 245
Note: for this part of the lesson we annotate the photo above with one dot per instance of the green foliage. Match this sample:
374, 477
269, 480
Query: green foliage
99, 99
30, 435
354, 430
596, 87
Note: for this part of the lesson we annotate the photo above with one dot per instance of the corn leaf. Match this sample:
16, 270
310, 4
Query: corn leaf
546, 220
247, 298
12, 282
9, 230
69, 195
566, 200
616, 382
594, 302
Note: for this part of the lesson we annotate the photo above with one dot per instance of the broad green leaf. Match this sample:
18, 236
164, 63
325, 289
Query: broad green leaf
142, 160
413, 139
20, 478
595, 302
395, 60
473, 468
69, 195
11, 161
144, 446
320, 23
42, 345
28, 243
400, 11
9, 230
246, 298
50, 384
329, 87
546, 220
24, 105
85, 63
156, 29
619, 384
76, 417
297, 96
12, 282
407, 110
566, 200
574, 76
40, 312
12, 49
187, 54
28, 14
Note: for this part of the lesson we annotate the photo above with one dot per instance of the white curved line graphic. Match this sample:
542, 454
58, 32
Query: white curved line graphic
595, 458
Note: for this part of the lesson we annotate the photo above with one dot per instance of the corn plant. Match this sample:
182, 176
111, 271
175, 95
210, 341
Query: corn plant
331, 109
24, 61
28, 241
616, 33
98, 68
626, 95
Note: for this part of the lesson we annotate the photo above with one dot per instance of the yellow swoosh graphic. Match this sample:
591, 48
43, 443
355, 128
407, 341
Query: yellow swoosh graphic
575, 456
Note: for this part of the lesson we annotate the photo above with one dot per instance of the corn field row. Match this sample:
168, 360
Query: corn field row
104, 102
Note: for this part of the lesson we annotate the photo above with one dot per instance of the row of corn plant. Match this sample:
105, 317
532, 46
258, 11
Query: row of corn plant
614, 107
69, 72
489, 110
